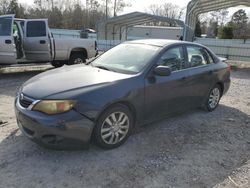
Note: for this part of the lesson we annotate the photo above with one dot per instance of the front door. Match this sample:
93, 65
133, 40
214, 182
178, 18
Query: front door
7, 45
36, 42
167, 94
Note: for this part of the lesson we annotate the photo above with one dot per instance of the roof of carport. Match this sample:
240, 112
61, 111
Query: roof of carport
137, 18
203, 6
197, 7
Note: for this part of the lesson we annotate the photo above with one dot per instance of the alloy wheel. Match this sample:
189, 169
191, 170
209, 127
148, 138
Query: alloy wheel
214, 98
115, 128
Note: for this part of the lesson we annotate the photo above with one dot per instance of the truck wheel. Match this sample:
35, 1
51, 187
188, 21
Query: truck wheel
57, 64
77, 58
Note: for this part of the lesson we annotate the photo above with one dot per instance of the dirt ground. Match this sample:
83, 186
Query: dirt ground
195, 149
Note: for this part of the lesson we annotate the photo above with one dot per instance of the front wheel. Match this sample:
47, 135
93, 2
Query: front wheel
113, 127
214, 98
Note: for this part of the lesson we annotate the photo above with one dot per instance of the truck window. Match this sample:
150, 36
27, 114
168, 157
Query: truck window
5, 26
36, 29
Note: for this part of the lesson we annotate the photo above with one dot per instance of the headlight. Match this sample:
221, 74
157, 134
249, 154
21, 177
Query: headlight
54, 106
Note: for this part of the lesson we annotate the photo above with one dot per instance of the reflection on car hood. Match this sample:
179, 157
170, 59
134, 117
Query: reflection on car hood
68, 78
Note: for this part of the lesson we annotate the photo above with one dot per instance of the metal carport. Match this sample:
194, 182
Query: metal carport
197, 7
116, 28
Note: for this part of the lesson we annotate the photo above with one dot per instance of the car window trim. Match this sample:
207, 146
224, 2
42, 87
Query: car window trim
195, 45
157, 58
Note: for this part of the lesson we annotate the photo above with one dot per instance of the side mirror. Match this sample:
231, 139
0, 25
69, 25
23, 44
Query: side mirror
162, 70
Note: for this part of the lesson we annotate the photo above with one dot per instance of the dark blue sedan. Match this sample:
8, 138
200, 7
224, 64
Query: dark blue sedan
130, 85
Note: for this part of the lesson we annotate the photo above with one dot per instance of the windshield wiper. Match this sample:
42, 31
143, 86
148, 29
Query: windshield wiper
104, 68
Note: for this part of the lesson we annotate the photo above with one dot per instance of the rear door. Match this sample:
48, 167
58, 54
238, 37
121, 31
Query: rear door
202, 74
7, 46
36, 42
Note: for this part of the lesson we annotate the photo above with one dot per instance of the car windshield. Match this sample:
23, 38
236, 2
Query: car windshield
126, 58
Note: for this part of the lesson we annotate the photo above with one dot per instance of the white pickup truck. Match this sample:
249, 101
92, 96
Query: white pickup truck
30, 41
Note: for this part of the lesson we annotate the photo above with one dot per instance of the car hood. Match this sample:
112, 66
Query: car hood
68, 78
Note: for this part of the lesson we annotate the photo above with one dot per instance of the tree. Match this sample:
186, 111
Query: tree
198, 31
226, 32
220, 16
212, 30
119, 5
239, 23
167, 9
4, 4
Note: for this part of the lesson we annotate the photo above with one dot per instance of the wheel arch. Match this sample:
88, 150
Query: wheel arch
79, 50
221, 86
127, 104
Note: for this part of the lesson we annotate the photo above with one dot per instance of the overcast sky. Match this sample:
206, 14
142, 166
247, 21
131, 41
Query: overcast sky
142, 5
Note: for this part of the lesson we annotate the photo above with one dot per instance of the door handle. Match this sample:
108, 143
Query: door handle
8, 41
42, 42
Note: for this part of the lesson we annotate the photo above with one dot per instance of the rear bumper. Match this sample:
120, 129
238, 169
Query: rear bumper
70, 130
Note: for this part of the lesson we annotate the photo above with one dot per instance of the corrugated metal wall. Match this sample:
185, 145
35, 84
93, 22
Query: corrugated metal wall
231, 49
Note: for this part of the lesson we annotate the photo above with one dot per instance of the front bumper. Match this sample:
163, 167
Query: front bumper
70, 130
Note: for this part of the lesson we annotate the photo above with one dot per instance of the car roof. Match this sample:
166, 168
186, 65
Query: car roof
158, 42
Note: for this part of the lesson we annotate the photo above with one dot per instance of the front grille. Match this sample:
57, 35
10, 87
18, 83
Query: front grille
25, 102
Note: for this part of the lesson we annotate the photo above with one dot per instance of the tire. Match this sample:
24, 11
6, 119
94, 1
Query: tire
113, 127
77, 58
57, 64
213, 99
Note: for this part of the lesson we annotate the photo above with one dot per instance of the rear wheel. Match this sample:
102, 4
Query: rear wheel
77, 58
214, 98
113, 127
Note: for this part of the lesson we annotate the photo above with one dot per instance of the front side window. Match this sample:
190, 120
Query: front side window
36, 29
173, 58
5, 26
197, 56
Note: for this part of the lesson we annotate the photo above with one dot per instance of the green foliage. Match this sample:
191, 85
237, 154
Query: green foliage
226, 32
239, 23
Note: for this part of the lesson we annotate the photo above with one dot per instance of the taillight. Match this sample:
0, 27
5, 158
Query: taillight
229, 68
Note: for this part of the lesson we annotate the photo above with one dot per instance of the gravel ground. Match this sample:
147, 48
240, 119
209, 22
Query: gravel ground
195, 149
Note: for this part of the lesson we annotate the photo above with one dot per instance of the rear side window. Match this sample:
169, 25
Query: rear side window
197, 56
5, 26
36, 29
173, 58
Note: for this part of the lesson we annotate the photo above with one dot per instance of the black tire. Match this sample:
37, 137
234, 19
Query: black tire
57, 64
77, 58
101, 125
209, 106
